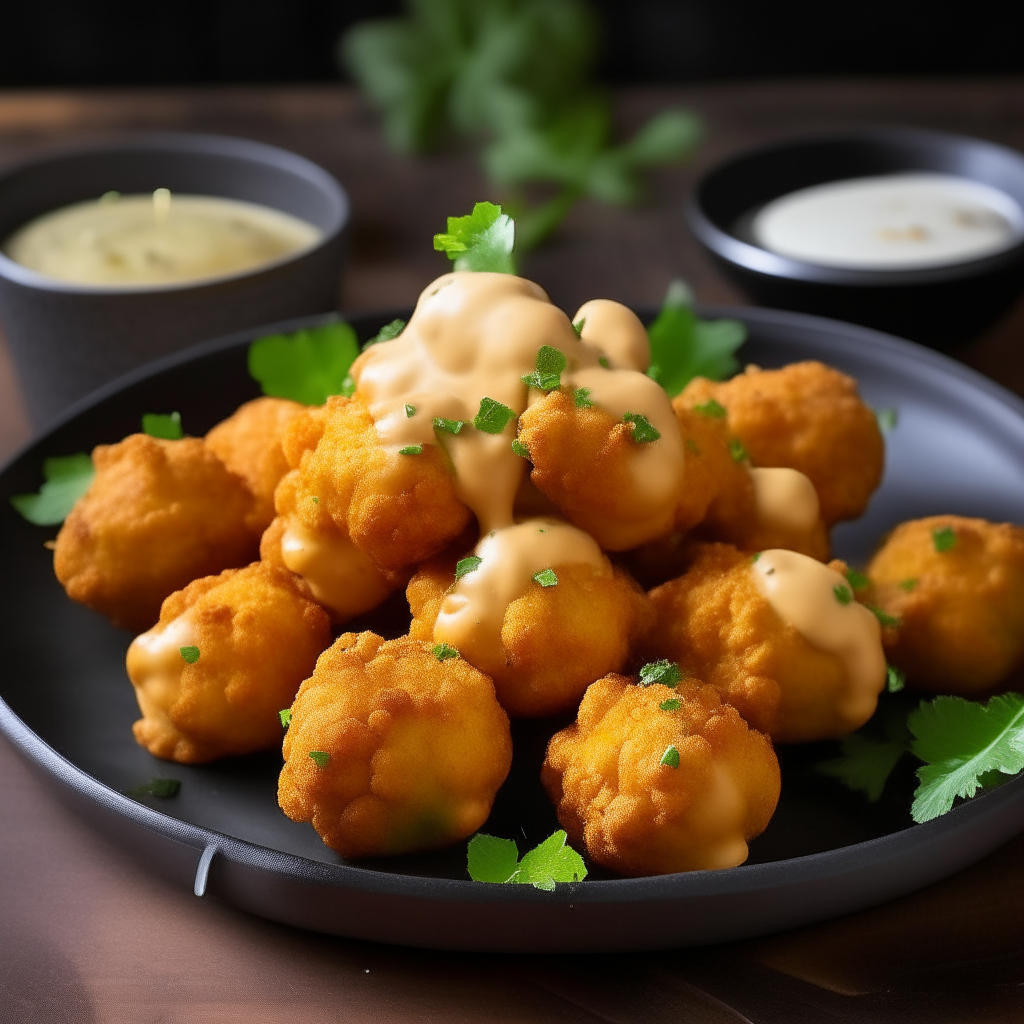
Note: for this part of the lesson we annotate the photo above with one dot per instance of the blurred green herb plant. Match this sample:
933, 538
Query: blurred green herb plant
513, 76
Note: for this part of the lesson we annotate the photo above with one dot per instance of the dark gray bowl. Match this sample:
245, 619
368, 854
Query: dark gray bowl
937, 306
67, 339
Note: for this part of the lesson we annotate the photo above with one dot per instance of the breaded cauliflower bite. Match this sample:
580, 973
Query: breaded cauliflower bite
956, 588
392, 750
248, 442
781, 639
228, 653
653, 779
157, 515
541, 644
805, 416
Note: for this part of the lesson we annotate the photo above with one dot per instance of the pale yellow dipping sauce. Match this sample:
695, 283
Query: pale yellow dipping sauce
785, 498
159, 239
155, 665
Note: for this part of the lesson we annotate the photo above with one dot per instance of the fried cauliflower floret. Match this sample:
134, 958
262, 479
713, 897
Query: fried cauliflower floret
956, 587
398, 509
390, 750
227, 655
543, 646
806, 416
249, 443
654, 780
718, 623
157, 515
586, 461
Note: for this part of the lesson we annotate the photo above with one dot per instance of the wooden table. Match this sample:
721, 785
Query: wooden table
87, 935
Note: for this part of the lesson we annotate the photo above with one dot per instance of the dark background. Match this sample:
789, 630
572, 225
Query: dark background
116, 42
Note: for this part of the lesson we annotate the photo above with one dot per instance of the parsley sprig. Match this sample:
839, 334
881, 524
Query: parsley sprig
306, 366
490, 859
166, 427
482, 240
67, 478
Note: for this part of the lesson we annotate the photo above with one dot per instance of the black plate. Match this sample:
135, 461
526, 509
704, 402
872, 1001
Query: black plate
958, 447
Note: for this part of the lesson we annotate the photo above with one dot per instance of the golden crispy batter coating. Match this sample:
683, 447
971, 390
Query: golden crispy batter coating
258, 636
157, 515
960, 610
639, 816
717, 625
398, 509
249, 443
809, 417
555, 641
583, 461
416, 748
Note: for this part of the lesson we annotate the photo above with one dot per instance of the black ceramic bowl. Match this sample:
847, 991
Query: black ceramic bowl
937, 306
67, 339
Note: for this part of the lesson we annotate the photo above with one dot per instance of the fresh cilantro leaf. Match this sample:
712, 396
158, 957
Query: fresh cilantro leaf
548, 374
684, 347
411, 449
550, 862
670, 759
944, 538
673, 704
307, 366
492, 417
321, 757
167, 427
843, 593
490, 859
908, 585
285, 716
190, 654
895, 679
163, 789
578, 325
449, 426
887, 419
387, 333
665, 672
467, 565
883, 617
581, 398
410, 411
67, 478
737, 450
482, 240
960, 741
857, 580
711, 408
444, 651
546, 578
520, 449
644, 432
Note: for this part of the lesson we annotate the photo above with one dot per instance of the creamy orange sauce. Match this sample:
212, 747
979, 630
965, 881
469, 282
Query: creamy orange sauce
617, 332
155, 664
472, 613
785, 499
341, 577
801, 590
717, 815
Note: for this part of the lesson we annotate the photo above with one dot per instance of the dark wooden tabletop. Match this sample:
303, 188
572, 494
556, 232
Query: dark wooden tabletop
88, 935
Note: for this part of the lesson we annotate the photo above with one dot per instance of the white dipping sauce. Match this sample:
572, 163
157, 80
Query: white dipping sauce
890, 222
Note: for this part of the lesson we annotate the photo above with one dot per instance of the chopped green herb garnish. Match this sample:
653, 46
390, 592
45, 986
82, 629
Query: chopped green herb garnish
444, 651
670, 759
755, 556
285, 716
166, 427
449, 426
962, 743
907, 585
692, 447
672, 704
411, 449
482, 240
603, 361
490, 859
163, 789
321, 757
578, 325
665, 672
644, 432
493, 417
386, 333
886, 420
467, 565
520, 449
883, 617
581, 398
737, 450
410, 411
843, 593
348, 387
546, 578
895, 679
315, 500
307, 366
67, 478
684, 347
548, 373
190, 654
712, 408
857, 580
944, 538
